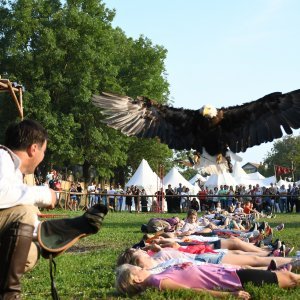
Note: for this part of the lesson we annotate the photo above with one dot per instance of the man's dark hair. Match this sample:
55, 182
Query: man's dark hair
20, 136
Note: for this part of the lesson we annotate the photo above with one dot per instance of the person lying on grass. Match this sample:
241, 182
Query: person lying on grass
217, 280
193, 225
232, 243
168, 257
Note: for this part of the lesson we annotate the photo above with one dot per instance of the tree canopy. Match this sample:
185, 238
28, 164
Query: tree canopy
62, 54
286, 153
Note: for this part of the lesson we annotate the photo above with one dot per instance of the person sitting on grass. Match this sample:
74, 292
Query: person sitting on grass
218, 281
191, 223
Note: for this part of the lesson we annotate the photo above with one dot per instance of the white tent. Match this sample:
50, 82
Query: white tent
174, 178
145, 178
197, 177
268, 180
281, 182
215, 180
256, 175
246, 179
238, 171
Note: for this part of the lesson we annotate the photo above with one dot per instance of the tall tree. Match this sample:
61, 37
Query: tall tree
65, 53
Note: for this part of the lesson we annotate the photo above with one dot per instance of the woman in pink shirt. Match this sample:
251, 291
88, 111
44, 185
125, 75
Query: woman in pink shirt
215, 279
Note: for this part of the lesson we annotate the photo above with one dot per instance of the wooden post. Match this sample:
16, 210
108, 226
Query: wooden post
6, 86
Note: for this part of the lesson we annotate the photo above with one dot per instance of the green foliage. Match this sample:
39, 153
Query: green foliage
151, 150
285, 152
86, 271
63, 54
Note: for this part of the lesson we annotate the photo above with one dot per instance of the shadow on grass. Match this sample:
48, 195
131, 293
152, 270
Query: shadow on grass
85, 248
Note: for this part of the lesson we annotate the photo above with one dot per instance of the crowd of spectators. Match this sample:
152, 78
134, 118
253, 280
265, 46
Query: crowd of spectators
271, 199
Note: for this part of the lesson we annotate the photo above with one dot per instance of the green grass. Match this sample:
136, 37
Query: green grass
87, 270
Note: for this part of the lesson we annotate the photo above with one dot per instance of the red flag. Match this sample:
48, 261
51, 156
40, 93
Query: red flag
283, 170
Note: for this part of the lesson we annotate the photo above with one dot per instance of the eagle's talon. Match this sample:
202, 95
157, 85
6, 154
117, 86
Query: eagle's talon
219, 158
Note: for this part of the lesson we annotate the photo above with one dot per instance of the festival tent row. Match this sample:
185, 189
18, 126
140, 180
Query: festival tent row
240, 177
145, 178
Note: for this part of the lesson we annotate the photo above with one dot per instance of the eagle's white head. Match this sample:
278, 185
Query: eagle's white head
208, 111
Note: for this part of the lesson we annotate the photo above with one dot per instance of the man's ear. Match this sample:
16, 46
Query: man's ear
31, 149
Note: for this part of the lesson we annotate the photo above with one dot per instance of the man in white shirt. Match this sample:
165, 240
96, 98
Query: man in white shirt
283, 198
111, 198
91, 191
25, 146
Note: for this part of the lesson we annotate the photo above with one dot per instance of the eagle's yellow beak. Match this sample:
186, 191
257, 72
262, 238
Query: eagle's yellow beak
206, 111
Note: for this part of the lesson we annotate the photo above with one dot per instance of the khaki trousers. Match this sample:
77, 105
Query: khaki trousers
26, 214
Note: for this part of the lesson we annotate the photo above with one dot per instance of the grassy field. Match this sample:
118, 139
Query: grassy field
86, 271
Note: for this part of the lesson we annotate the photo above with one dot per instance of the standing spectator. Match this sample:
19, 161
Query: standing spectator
258, 198
170, 193
297, 197
144, 201
249, 193
120, 193
230, 199
111, 198
128, 199
272, 191
91, 189
210, 199
222, 192
98, 193
184, 200
104, 196
283, 198
179, 191
79, 190
293, 198
136, 198
243, 194
73, 198
237, 195
202, 194
215, 199
158, 204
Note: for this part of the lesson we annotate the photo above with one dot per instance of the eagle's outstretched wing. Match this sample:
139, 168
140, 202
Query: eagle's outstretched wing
237, 127
260, 121
177, 127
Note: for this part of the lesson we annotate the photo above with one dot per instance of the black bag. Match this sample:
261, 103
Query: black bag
56, 236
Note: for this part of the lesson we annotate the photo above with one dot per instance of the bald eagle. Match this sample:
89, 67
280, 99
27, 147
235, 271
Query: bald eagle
214, 130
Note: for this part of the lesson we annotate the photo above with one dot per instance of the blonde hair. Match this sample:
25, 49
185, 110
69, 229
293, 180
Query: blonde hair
125, 282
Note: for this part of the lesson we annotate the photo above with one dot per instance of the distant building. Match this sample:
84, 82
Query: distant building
250, 167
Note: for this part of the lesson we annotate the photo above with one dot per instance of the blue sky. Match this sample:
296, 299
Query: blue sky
220, 52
